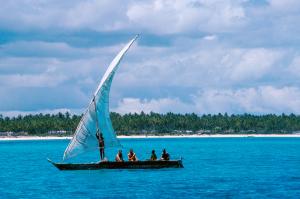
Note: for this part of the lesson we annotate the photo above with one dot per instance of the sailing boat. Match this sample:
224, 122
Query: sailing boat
97, 119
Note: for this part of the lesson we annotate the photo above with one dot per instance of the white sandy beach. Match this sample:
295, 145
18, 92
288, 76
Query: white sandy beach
212, 136
152, 136
33, 138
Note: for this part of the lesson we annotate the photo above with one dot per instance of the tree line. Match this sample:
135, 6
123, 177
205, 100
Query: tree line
158, 124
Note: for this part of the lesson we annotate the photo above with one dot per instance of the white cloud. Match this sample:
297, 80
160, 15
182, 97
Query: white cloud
171, 16
201, 64
159, 16
210, 37
251, 64
52, 111
41, 49
262, 24
237, 47
97, 15
261, 100
41, 80
287, 5
163, 105
104, 15
294, 67
149, 73
48, 64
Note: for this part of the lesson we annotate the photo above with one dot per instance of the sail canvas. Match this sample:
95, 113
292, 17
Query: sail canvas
96, 116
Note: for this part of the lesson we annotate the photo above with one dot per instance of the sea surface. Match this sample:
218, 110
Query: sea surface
213, 168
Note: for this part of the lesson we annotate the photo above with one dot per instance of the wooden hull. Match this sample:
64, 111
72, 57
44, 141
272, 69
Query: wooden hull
120, 165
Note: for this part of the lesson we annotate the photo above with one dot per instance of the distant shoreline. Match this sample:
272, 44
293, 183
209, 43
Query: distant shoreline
11, 138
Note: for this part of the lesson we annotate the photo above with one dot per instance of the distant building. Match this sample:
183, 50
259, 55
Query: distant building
229, 131
8, 133
60, 132
178, 131
249, 131
202, 131
21, 133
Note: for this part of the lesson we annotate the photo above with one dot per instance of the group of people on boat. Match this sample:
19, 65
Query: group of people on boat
131, 155
164, 155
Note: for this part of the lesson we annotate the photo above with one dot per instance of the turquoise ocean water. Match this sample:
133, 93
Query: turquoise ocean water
213, 168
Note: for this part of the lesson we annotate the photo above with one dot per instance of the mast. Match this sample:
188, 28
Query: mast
97, 123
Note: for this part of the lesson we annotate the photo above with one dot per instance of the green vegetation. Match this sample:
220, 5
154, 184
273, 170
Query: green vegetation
157, 124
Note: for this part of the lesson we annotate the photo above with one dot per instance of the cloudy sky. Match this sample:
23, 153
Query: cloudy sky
202, 56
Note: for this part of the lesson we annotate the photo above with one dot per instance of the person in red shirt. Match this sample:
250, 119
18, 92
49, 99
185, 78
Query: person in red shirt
132, 156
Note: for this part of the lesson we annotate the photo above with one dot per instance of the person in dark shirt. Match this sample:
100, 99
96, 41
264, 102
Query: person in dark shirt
100, 138
153, 155
165, 155
119, 156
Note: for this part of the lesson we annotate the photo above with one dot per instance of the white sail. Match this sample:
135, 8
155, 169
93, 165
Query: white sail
97, 115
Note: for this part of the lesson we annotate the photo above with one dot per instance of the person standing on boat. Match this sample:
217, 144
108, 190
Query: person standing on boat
132, 156
119, 156
165, 155
153, 155
100, 138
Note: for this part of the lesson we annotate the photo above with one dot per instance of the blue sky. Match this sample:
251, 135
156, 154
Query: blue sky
202, 56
